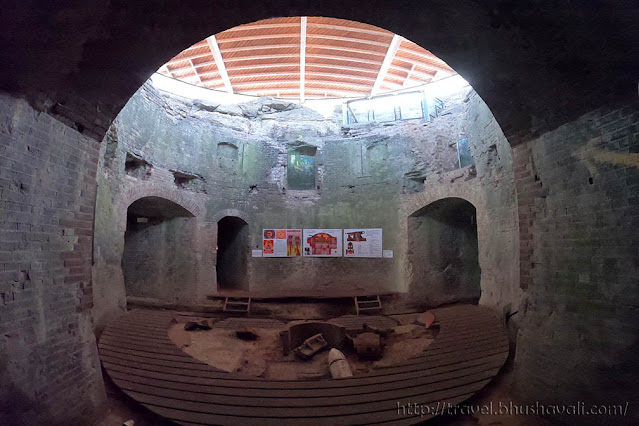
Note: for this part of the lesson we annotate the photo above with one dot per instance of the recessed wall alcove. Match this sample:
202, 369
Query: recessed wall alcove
159, 258
232, 253
443, 252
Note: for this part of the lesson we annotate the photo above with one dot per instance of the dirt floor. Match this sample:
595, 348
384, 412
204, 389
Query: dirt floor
265, 357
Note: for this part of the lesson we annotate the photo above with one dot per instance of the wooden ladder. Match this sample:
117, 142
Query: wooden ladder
367, 303
237, 305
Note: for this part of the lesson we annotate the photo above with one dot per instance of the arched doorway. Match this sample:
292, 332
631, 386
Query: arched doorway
443, 253
232, 253
159, 259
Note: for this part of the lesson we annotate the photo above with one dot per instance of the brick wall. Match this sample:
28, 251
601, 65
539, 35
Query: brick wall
49, 371
578, 211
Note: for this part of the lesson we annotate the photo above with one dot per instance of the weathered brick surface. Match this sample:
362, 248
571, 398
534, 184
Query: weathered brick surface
368, 176
577, 190
357, 174
49, 372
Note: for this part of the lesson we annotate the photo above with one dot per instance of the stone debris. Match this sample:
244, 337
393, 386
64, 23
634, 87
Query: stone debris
310, 347
368, 346
377, 330
426, 319
338, 365
192, 325
246, 334
406, 329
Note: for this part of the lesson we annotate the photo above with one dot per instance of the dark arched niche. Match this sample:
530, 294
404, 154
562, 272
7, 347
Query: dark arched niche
443, 253
159, 258
232, 253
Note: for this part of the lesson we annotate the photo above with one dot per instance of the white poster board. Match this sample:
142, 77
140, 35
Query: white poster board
363, 242
323, 242
281, 242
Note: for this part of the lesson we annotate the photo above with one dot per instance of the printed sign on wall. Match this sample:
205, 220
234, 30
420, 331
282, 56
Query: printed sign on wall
323, 242
282, 242
362, 242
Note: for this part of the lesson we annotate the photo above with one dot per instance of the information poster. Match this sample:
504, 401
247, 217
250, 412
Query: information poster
363, 242
282, 242
323, 242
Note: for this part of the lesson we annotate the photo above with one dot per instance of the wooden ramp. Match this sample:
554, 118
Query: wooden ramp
137, 354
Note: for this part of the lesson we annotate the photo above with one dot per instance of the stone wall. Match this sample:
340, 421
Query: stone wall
367, 176
158, 259
578, 213
443, 253
489, 186
49, 370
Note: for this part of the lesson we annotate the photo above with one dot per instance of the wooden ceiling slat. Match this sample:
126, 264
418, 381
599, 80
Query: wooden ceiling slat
279, 36
341, 57
346, 39
260, 75
261, 70
311, 83
424, 59
358, 70
260, 57
343, 22
260, 47
342, 48
263, 66
351, 32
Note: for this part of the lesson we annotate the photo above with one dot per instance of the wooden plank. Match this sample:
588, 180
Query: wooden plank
303, 22
181, 357
312, 397
144, 347
118, 358
192, 412
366, 385
110, 332
294, 407
449, 363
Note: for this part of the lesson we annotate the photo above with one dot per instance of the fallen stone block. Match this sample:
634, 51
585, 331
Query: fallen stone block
368, 346
310, 347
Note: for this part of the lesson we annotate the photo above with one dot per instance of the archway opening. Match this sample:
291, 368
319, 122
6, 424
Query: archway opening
443, 253
232, 253
159, 258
